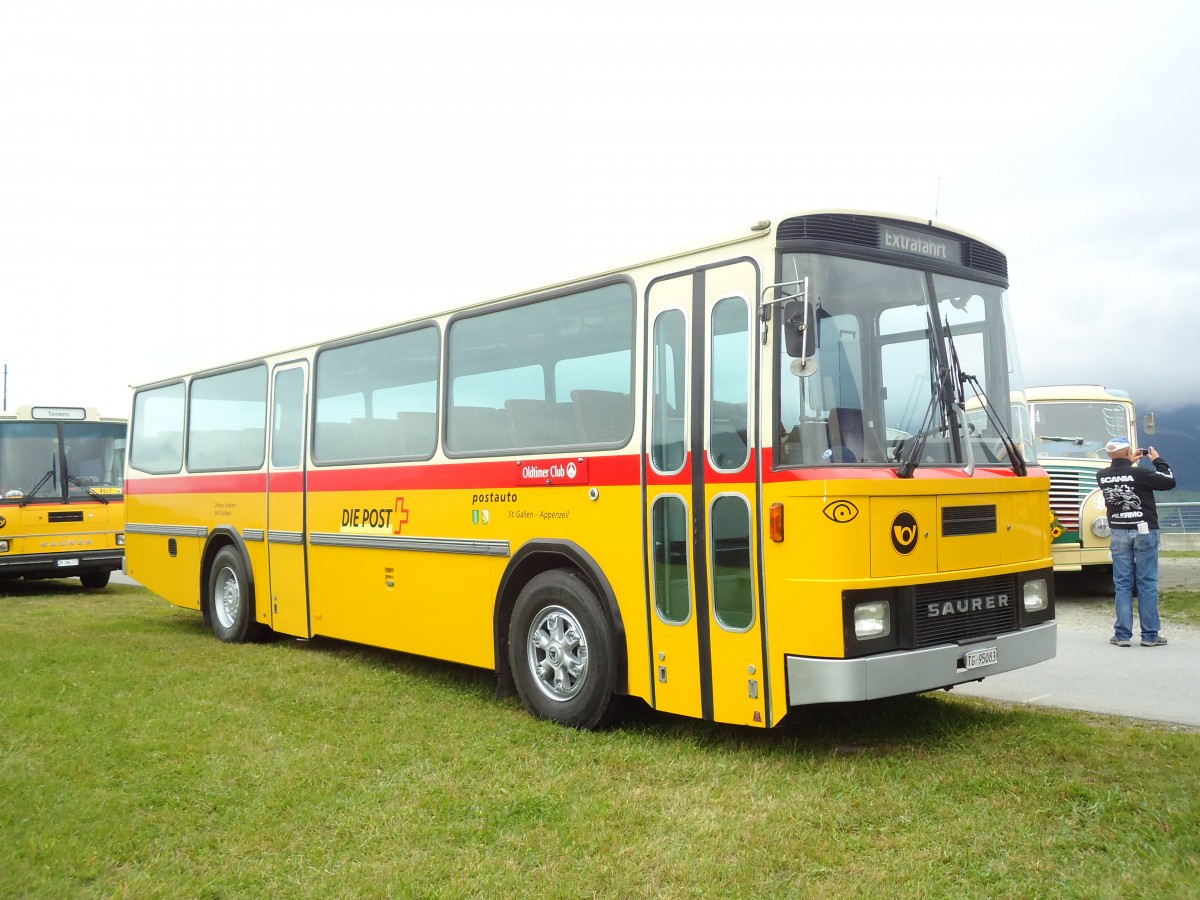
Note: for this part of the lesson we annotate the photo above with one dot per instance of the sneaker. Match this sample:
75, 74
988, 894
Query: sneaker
1121, 642
1159, 641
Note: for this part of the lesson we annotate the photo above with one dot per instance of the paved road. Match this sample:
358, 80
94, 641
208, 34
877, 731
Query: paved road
1091, 674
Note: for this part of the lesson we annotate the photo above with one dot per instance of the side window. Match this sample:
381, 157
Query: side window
671, 541
732, 583
667, 415
287, 419
599, 388
542, 376
156, 446
227, 421
729, 385
377, 399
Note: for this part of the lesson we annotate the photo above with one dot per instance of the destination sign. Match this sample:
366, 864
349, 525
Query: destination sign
58, 412
921, 244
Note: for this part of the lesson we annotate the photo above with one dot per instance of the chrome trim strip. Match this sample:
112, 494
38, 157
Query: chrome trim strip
425, 545
253, 534
197, 531
285, 537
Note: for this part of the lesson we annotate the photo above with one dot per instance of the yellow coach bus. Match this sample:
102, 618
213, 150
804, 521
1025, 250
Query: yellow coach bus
62, 510
730, 481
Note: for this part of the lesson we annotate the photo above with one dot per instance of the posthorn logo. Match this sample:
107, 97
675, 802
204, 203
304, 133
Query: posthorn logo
904, 533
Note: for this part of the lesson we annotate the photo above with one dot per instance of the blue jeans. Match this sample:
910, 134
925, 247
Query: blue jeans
1135, 557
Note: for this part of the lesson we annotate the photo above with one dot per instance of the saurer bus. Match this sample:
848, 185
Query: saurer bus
62, 511
1071, 426
729, 482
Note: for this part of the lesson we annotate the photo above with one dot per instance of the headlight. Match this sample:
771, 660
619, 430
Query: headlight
1100, 527
872, 620
120, 540
1037, 595
3, 546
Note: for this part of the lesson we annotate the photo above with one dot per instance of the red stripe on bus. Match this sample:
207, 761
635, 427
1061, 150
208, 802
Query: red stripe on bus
830, 473
242, 483
601, 471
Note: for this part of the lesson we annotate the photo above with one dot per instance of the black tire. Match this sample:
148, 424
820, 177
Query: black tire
230, 601
93, 581
560, 651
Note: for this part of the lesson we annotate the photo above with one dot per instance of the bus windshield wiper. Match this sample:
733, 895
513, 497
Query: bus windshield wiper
37, 487
941, 395
913, 452
1061, 440
1010, 445
71, 479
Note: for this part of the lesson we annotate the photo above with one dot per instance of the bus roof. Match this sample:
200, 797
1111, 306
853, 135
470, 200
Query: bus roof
49, 413
760, 230
1048, 393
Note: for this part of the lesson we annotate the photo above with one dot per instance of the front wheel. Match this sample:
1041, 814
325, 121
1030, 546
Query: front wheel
229, 602
560, 652
93, 581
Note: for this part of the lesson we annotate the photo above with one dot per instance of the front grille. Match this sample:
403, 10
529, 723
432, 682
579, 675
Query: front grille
961, 611
76, 516
960, 520
1068, 489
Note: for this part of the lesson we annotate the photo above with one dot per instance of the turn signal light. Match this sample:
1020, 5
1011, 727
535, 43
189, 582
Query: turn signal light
776, 522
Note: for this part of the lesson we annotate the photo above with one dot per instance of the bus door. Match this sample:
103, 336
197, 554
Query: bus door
702, 501
286, 532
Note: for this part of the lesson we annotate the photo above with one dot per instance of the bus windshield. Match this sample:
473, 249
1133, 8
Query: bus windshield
887, 341
1078, 429
53, 461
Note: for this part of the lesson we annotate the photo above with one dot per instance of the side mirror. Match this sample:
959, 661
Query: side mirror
1148, 423
799, 329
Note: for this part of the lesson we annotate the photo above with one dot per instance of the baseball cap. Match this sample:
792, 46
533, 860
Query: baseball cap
1116, 445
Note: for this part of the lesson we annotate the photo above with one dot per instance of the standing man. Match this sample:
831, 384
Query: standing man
1133, 516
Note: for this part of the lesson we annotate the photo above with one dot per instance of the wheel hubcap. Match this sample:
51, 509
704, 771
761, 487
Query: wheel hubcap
557, 653
227, 598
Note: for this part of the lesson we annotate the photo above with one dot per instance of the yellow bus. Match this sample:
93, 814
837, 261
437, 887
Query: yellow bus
729, 482
62, 509
1071, 424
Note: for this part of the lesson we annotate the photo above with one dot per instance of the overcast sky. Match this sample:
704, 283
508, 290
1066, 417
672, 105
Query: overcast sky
189, 184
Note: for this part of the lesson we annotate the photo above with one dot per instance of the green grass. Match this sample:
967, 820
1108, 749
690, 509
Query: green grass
1179, 607
139, 757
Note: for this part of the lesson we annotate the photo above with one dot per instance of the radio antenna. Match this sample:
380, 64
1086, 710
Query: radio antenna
937, 202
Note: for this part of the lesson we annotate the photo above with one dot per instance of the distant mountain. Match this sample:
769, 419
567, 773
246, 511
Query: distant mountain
1177, 438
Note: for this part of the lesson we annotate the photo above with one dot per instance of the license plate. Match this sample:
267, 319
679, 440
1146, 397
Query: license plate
976, 658
64, 563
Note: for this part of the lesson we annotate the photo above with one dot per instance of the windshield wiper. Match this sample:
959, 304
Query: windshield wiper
31, 495
71, 479
913, 452
1061, 440
37, 487
1010, 445
942, 394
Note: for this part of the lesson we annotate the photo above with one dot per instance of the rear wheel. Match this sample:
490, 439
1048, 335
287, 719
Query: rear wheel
230, 605
94, 580
560, 652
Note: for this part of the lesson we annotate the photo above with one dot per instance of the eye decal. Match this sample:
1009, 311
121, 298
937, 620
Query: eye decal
841, 511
